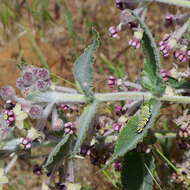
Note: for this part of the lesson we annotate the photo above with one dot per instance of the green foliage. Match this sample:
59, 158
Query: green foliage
178, 83
6, 13
83, 68
137, 171
129, 136
40, 10
67, 15
84, 124
58, 153
152, 79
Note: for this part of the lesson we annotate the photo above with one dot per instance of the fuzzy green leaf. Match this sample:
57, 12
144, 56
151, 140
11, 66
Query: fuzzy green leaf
129, 137
135, 175
84, 124
8, 146
83, 69
58, 153
152, 79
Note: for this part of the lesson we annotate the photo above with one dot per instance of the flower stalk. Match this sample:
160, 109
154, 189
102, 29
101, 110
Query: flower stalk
58, 97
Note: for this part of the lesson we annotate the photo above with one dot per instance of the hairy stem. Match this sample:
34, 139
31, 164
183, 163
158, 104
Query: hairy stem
58, 97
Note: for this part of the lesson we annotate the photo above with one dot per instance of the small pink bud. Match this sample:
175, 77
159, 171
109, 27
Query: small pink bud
10, 113
188, 53
25, 141
117, 165
11, 119
113, 32
64, 107
28, 146
116, 126
112, 81
169, 19
69, 128
134, 43
118, 108
8, 102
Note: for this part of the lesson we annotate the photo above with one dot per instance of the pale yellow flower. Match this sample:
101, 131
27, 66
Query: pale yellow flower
20, 116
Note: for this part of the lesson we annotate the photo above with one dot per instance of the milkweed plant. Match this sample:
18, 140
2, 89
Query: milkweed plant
125, 143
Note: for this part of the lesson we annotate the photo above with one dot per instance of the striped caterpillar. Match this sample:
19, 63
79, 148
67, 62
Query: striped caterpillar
144, 117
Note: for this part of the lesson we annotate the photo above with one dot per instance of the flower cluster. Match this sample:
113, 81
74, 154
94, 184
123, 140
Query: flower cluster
33, 78
180, 51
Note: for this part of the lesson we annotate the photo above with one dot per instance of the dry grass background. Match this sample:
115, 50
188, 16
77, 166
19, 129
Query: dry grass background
61, 50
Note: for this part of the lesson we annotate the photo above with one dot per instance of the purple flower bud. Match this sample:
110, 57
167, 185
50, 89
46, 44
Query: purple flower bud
165, 74
134, 43
37, 170
112, 81
113, 32
35, 112
28, 146
26, 142
7, 92
188, 53
120, 4
9, 105
164, 48
35, 71
132, 25
184, 132
28, 78
85, 150
64, 107
11, 119
117, 165
117, 126
118, 108
180, 55
69, 128
43, 74
169, 19
42, 85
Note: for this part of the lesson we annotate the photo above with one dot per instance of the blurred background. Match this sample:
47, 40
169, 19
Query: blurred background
55, 32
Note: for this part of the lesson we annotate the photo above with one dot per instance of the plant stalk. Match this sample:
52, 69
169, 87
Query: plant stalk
59, 97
